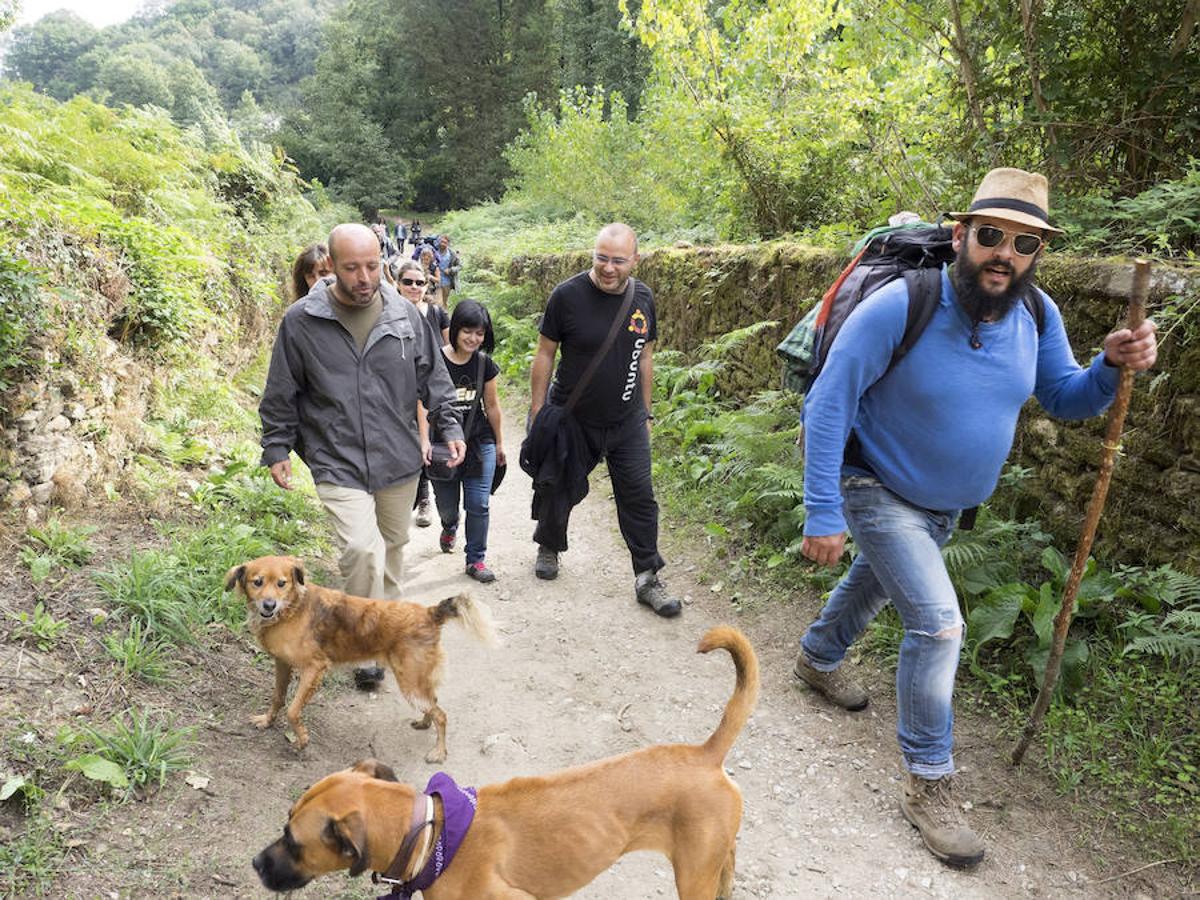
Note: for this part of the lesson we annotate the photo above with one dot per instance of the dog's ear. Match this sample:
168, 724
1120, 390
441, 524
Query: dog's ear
235, 578
375, 769
349, 837
298, 570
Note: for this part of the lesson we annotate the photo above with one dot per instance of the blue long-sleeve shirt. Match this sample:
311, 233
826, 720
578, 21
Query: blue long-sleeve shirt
938, 427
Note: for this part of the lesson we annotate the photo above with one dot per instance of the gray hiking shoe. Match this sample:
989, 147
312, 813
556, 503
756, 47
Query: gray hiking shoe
423, 519
546, 564
653, 593
837, 687
930, 806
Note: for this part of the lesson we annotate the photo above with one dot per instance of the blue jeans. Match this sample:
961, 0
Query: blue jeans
476, 495
899, 559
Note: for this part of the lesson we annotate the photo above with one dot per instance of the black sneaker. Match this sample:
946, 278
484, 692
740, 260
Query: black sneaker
653, 593
367, 678
546, 565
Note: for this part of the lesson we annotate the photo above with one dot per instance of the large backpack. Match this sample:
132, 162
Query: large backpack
915, 252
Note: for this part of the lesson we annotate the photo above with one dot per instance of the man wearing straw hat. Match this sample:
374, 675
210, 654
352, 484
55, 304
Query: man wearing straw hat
894, 458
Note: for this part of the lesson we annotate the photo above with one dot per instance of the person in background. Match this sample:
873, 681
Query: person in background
351, 365
310, 266
428, 262
448, 269
471, 335
411, 280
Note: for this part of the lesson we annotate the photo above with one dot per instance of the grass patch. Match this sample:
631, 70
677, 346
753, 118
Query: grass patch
139, 654
145, 749
30, 861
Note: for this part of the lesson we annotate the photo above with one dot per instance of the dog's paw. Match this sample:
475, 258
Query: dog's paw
421, 724
266, 720
435, 756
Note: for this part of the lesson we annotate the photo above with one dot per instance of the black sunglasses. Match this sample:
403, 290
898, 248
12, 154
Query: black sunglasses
409, 282
1023, 244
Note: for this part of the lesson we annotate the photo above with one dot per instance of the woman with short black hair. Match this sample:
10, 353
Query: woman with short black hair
473, 374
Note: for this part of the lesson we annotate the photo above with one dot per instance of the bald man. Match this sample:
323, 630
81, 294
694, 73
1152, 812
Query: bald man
614, 413
351, 361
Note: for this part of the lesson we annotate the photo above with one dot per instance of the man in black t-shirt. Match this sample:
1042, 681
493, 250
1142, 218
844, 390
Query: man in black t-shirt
614, 413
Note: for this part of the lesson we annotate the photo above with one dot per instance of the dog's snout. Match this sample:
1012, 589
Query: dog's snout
276, 872
269, 604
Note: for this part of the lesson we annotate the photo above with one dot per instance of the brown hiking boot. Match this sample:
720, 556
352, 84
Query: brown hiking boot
836, 686
930, 806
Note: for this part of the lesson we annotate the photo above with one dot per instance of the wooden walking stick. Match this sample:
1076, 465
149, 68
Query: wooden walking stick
1112, 442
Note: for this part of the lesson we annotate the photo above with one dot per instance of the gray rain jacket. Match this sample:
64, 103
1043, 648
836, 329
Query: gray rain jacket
351, 416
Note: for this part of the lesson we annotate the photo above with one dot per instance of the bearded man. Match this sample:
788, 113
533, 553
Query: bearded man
895, 455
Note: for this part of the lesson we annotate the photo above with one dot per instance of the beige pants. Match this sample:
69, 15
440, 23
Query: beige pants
372, 530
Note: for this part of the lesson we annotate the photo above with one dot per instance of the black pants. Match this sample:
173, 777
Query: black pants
626, 447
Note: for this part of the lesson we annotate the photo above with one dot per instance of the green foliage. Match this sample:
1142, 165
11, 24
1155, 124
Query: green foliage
589, 156
30, 861
198, 224
39, 627
192, 59
21, 318
59, 544
140, 655
143, 749
145, 590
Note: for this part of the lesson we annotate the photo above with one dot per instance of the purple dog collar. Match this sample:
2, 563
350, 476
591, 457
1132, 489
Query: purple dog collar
458, 811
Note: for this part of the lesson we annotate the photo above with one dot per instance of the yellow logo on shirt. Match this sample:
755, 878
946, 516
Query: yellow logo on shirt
638, 323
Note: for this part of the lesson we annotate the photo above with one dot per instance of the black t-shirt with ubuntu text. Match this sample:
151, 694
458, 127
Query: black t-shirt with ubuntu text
578, 316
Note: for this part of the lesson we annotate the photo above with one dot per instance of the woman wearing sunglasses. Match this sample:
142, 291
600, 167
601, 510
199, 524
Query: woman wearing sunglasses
412, 282
473, 374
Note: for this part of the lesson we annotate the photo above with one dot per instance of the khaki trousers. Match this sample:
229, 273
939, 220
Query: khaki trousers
371, 531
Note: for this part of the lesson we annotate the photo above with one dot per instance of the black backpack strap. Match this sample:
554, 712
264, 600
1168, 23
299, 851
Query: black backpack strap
924, 295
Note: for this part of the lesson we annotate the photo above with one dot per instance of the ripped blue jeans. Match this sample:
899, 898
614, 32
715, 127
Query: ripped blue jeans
899, 559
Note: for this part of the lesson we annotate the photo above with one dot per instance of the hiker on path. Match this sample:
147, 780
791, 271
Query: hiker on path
614, 414
310, 267
473, 373
894, 455
411, 282
448, 268
351, 362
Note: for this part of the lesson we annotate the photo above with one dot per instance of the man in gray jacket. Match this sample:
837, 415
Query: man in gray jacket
350, 362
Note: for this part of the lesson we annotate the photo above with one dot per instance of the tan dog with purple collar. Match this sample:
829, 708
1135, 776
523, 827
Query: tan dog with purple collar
544, 836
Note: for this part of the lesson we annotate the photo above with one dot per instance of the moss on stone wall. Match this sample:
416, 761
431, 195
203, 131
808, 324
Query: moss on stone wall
1153, 510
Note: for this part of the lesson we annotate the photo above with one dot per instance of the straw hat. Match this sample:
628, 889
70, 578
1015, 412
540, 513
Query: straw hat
1014, 195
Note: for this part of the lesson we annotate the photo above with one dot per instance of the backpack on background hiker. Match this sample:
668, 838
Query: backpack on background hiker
910, 249
915, 251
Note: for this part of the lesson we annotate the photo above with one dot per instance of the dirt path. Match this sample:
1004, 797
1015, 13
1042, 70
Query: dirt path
585, 672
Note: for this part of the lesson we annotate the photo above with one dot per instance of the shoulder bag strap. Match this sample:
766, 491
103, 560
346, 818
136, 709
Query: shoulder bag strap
604, 348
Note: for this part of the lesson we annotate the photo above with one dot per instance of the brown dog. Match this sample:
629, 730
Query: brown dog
546, 836
311, 628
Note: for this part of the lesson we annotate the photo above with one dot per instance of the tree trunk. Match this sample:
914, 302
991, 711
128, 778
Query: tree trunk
966, 69
1030, 10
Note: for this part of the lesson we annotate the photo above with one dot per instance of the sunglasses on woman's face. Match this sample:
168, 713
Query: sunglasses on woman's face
409, 282
1023, 244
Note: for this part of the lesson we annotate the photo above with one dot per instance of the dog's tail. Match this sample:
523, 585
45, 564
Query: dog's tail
745, 692
475, 617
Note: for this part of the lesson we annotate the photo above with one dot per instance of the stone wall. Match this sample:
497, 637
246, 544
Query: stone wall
1153, 510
